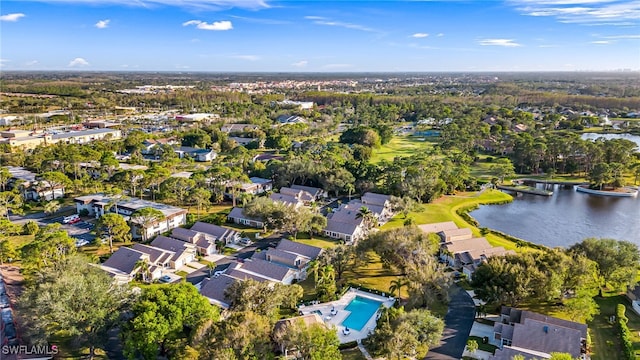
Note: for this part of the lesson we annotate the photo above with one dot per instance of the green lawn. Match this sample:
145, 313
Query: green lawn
352, 354
444, 209
318, 241
400, 146
484, 347
604, 336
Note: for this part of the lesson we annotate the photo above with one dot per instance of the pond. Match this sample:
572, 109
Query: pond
565, 218
593, 136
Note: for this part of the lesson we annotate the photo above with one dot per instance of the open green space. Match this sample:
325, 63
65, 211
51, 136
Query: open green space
484, 347
352, 354
318, 241
445, 209
400, 146
605, 336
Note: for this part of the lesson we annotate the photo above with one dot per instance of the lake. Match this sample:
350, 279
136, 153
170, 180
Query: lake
565, 218
593, 136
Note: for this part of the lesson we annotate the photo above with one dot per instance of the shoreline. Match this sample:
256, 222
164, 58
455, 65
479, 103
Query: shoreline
631, 192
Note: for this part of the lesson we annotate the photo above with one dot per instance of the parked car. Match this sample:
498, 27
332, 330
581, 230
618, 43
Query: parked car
165, 279
81, 242
71, 219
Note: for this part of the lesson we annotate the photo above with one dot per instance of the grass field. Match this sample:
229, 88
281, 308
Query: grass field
352, 354
400, 146
604, 336
444, 209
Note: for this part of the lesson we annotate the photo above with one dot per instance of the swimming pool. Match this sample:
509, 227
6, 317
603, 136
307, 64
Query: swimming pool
362, 309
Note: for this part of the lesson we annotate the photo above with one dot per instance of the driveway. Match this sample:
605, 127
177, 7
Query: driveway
457, 325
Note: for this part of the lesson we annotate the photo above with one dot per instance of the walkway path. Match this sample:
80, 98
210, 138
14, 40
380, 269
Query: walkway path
364, 351
458, 323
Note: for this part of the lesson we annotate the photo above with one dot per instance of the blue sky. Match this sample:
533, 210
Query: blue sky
320, 36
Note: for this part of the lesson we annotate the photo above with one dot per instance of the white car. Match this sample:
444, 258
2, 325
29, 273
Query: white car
81, 242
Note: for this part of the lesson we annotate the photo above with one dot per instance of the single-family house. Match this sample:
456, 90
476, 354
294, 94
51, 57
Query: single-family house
292, 255
633, 293
435, 228
238, 128
345, 224
200, 155
290, 119
206, 244
214, 290
451, 249
123, 265
183, 252
381, 200
237, 216
536, 336
265, 269
451, 235
470, 260
219, 233
30, 187
157, 257
254, 187
287, 199
150, 145
317, 193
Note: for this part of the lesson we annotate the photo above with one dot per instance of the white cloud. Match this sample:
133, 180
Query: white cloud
246, 57
12, 17
188, 4
440, 35
623, 37
602, 42
102, 24
214, 26
420, 35
300, 64
585, 12
78, 62
499, 42
31, 63
319, 20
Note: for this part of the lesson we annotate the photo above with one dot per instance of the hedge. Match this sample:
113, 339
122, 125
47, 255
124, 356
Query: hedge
625, 334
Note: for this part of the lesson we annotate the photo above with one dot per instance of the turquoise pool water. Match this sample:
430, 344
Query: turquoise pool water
362, 309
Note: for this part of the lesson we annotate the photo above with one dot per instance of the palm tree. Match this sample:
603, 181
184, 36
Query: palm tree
143, 269
211, 266
326, 275
367, 216
314, 269
397, 285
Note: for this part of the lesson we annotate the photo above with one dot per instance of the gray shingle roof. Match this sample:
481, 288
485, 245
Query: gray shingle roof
375, 199
183, 234
266, 269
155, 254
170, 244
215, 230
295, 247
124, 259
311, 190
238, 213
215, 288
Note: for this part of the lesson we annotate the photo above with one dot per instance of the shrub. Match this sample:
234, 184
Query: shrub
625, 334
30, 228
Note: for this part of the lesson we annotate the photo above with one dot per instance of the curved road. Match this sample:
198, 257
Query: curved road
457, 326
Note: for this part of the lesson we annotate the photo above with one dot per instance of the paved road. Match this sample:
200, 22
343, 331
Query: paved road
458, 323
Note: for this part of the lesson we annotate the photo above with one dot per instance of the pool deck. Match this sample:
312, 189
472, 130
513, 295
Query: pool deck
340, 314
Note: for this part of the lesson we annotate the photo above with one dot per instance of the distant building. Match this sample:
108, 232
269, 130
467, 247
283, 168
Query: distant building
238, 128
196, 117
30, 187
99, 204
200, 155
30, 140
237, 216
290, 119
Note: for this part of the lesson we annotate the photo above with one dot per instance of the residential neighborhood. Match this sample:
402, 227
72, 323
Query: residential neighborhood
321, 217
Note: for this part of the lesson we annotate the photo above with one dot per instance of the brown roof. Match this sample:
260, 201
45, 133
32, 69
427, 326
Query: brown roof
438, 227
473, 244
464, 233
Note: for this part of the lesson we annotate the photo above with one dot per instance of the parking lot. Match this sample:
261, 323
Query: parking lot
81, 230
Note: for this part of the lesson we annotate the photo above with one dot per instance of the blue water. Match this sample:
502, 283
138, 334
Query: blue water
362, 309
